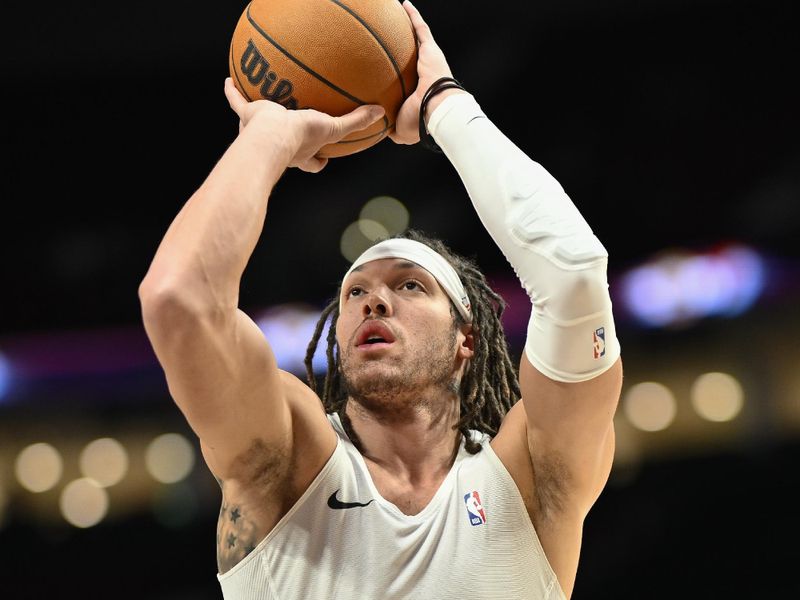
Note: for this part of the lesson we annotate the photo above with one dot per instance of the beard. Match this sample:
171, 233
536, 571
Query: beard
391, 390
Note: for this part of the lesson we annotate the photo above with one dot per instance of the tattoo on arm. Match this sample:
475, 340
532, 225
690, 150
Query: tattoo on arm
235, 537
263, 467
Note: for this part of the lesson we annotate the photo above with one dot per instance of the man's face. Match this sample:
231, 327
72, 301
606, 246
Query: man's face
397, 337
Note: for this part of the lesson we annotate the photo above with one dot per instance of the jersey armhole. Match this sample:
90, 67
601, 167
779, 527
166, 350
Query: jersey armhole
509, 482
295, 507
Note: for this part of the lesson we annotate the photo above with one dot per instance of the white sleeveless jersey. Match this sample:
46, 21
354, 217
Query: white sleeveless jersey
343, 541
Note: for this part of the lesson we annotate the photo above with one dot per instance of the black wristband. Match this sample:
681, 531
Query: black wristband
441, 84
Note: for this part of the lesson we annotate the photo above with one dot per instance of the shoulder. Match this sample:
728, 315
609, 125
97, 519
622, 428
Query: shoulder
511, 447
513, 430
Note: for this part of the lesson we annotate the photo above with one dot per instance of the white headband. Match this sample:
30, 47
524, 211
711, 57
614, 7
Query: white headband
425, 257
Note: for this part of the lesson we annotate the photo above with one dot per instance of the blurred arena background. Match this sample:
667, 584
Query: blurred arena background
673, 125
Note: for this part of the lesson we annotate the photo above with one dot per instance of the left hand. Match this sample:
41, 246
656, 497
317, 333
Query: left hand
431, 65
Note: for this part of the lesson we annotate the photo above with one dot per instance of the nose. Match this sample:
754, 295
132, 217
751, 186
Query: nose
376, 306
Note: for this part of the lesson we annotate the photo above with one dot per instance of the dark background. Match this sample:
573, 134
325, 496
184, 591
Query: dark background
671, 124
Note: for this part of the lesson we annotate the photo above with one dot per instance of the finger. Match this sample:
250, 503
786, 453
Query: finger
234, 96
360, 118
420, 26
314, 164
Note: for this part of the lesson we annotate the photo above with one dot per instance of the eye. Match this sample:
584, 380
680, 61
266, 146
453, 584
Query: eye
412, 285
354, 291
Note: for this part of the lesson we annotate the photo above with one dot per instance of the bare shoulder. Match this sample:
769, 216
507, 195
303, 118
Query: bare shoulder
270, 478
511, 447
265, 454
313, 436
293, 462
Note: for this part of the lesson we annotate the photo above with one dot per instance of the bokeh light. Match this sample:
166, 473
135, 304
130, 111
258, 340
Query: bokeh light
289, 328
717, 396
84, 502
39, 467
682, 286
5, 376
389, 212
649, 406
104, 460
359, 236
169, 458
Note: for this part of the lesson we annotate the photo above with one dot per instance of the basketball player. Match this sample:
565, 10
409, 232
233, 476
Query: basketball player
425, 468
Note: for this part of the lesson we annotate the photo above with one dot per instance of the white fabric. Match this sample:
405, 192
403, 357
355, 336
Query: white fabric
425, 257
559, 261
376, 552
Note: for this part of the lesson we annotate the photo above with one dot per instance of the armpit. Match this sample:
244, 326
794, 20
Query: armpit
261, 466
551, 479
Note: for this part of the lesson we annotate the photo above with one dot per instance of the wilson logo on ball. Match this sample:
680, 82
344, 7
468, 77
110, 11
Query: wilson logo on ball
256, 68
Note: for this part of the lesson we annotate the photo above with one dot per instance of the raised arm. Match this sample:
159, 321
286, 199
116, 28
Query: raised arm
570, 371
220, 369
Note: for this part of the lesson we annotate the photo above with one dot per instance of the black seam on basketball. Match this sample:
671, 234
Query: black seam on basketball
300, 64
381, 133
380, 136
235, 71
380, 42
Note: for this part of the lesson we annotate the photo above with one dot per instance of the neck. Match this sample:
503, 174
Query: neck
417, 444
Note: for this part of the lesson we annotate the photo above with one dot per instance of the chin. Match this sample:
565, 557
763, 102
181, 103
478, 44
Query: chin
374, 380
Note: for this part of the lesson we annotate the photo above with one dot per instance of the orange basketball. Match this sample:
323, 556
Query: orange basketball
329, 55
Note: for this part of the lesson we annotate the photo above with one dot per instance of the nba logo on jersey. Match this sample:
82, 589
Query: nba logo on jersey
477, 516
599, 339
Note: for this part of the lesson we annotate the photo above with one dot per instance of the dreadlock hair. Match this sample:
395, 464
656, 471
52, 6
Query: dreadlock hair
490, 385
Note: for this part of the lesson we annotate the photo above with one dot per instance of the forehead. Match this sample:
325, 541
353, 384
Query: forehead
387, 267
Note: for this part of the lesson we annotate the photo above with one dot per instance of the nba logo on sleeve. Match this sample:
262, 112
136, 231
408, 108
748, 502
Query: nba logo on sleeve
599, 339
477, 516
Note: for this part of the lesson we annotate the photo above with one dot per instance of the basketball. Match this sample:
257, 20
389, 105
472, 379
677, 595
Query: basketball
329, 55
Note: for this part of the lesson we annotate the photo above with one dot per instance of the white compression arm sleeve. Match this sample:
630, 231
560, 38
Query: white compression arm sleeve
558, 260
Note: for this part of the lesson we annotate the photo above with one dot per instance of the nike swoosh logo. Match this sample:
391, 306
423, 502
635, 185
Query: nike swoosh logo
334, 502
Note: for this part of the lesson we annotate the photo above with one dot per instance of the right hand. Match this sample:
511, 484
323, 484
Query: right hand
300, 133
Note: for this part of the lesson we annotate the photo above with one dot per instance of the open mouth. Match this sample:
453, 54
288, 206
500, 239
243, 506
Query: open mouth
374, 340
374, 334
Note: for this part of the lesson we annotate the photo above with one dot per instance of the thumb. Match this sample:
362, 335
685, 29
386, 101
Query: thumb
234, 96
361, 118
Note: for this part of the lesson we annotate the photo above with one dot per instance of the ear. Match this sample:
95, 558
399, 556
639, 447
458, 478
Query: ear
466, 348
